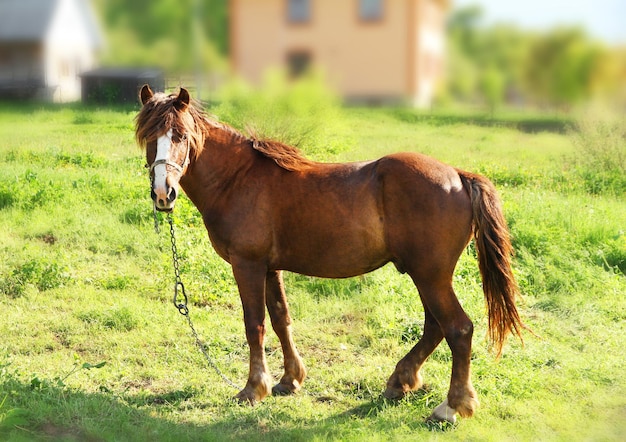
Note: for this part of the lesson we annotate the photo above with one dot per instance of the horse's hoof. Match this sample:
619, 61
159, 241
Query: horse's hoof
245, 398
402, 382
394, 394
244, 401
443, 413
283, 389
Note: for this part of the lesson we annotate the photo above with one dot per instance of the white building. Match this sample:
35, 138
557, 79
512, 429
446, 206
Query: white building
44, 46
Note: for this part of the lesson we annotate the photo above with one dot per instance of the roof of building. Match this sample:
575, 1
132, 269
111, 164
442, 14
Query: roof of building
25, 20
123, 73
29, 20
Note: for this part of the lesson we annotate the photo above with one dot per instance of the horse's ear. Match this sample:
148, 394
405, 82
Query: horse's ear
182, 101
145, 94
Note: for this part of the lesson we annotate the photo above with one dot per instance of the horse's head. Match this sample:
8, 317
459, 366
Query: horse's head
164, 128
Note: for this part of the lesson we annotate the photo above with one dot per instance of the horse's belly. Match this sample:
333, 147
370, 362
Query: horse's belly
340, 250
331, 223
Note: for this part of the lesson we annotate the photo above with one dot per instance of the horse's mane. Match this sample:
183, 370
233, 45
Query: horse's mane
160, 114
287, 157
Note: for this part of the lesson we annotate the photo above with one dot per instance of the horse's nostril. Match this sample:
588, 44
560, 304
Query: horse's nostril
161, 203
171, 196
153, 195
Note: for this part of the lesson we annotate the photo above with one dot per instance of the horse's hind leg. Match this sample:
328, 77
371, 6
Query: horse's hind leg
295, 371
406, 377
457, 329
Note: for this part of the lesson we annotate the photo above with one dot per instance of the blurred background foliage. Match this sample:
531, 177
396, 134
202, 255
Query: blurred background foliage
486, 65
305, 114
502, 63
176, 35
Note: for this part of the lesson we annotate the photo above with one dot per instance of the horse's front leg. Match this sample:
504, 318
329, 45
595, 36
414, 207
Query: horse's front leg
295, 372
250, 277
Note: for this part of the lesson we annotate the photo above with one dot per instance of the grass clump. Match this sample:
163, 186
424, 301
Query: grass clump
120, 319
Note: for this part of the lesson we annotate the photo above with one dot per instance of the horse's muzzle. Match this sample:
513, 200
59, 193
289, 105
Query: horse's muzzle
164, 200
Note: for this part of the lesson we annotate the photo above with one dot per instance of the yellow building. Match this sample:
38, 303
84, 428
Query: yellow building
371, 50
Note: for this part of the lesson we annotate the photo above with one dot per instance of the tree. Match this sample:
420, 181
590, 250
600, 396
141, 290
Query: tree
165, 33
492, 87
562, 66
484, 63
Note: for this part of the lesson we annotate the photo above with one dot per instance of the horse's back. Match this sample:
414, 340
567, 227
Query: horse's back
420, 171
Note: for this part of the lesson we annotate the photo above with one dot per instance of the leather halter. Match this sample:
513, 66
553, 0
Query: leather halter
176, 166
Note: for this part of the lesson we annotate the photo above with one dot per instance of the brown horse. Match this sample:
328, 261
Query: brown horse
267, 209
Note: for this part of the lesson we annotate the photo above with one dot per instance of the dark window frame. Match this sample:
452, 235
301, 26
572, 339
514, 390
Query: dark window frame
299, 62
299, 11
371, 10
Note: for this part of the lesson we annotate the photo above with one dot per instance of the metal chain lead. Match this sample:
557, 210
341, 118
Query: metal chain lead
156, 220
178, 284
206, 355
179, 290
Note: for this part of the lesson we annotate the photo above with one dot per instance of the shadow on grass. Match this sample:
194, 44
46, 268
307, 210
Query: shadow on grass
29, 107
381, 405
526, 123
47, 412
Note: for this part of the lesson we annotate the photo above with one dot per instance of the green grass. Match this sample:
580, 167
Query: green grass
84, 280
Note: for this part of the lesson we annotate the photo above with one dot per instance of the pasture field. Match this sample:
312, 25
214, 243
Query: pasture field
92, 348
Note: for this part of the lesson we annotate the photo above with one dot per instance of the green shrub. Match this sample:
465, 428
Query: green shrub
40, 273
137, 215
600, 155
303, 113
7, 198
612, 254
28, 191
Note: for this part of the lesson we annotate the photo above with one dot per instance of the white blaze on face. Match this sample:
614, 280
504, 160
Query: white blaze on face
164, 145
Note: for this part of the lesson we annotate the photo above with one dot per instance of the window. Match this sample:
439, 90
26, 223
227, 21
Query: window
298, 11
370, 10
298, 63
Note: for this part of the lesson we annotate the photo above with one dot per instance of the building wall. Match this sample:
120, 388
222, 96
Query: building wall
430, 50
362, 59
21, 68
69, 51
400, 56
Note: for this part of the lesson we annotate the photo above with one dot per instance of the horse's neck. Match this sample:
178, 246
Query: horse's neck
225, 155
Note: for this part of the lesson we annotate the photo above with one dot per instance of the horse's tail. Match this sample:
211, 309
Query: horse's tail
493, 243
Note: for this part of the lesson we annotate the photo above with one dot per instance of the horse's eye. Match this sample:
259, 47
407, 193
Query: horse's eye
178, 138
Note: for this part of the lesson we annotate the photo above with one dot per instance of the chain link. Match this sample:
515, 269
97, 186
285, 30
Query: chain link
179, 287
181, 300
156, 220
